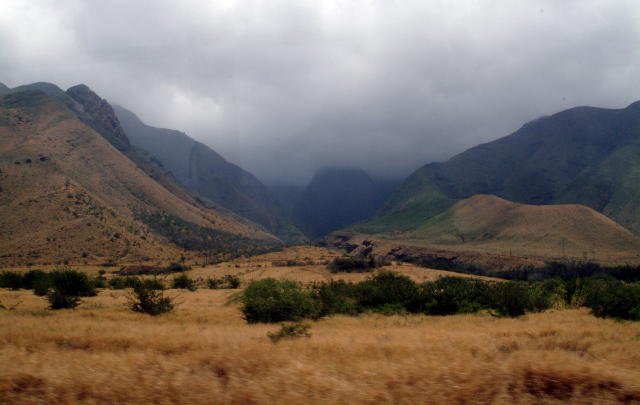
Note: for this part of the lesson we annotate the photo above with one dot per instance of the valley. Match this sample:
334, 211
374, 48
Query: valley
139, 265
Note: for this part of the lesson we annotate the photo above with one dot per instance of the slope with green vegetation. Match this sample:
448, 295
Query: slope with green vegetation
584, 155
207, 174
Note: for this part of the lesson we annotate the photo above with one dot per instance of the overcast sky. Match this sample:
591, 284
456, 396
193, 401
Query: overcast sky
284, 87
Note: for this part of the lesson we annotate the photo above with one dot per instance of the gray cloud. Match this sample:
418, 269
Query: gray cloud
284, 87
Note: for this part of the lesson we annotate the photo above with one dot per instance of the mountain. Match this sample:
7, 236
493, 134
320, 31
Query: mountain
4, 89
98, 114
488, 223
66, 193
336, 198
207, 174
287, 196
584, 155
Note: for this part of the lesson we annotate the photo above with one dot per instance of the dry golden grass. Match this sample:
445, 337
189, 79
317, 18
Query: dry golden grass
204, 352
272, 265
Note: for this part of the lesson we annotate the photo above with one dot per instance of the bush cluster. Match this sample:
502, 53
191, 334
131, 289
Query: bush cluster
184, 282
66, 288
36, 280
141, 270
271, 300
221, 245
149, 298
570, 271
356, 264
227, 281
64, 282
120, 283
608, 297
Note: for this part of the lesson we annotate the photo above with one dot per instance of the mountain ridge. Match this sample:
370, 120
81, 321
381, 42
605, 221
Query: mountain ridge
562, 158
66, 193
207, 174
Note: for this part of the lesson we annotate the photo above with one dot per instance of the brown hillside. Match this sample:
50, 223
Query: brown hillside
492, 224
67, 193
496, 233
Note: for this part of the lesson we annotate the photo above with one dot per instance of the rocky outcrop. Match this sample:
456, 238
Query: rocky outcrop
98, 113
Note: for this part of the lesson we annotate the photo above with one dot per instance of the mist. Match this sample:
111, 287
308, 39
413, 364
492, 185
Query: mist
283, 88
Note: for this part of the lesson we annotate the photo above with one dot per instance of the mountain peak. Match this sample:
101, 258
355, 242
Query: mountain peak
100, 115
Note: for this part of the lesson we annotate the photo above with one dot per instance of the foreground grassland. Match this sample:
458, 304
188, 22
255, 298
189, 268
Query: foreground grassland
204, 352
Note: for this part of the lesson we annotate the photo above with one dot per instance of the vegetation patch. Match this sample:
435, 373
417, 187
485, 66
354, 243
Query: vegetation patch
356, 264
67, 286
228, 281
388, 293
140, 270
272, 301
184, 282
187, 235
147, 298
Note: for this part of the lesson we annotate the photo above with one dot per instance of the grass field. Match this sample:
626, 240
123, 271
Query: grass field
204, 352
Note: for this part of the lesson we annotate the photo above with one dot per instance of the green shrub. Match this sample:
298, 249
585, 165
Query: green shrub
100, 282
613, 298
454, 295
510, 298
270, 300
551, 293
184, 282
58, 300
386, 290
336, 297
11, 279
214, 283
232, 281
41, 286
177, 268
227, 281
120, 283
72, 282
150, 300
388, 293
294, 330
67, 286
355, 264
36, 280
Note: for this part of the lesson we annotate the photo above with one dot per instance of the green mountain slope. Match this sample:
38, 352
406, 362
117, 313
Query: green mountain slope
584, 155
207, 174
